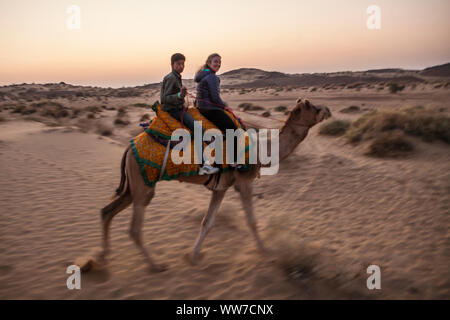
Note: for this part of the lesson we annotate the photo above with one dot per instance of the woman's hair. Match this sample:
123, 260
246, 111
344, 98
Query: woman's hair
208, 61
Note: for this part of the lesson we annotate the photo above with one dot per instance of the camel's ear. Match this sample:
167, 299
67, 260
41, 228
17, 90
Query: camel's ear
298, 100
307, 104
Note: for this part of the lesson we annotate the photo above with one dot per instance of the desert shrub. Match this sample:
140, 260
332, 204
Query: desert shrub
356, 85
423, 122
7, 107
127, 93
23, 109
51, 109
280, 108
394, 87
76, 112
93, 109
51, 95
334, 128
121, 122
121, 111
141, 105
249, 107
351, 109
28, 110
90, 115
19, 108
427, 123
104, 129
266, 114
389, 144
2, 119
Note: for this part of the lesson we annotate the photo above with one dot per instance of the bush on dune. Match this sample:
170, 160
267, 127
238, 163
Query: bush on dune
121, 122
51, 109
142, 105
390, 144
105, 129
23, 109
335, 127
394, 87
386, 132
246, 106
418, 121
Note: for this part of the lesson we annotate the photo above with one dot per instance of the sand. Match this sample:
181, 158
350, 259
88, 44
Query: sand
326, 216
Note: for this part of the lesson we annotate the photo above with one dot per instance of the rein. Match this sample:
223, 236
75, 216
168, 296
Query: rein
231, 111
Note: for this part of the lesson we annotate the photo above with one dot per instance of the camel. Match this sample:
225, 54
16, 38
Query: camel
133, 190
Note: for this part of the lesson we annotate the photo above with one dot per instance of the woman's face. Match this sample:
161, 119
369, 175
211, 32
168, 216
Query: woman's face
215, 64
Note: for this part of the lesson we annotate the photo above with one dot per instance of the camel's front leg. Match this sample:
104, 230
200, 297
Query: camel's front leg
207, 223
246, 192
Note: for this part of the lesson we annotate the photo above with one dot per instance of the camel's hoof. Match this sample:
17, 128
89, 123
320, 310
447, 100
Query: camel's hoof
159, 268
193, 260
85, 264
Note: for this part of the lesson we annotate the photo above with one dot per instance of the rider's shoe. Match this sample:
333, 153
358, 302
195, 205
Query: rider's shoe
207, 169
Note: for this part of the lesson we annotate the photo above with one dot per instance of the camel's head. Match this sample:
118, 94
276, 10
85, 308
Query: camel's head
307, 114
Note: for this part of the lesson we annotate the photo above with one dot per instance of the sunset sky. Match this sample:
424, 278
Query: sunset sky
129, 42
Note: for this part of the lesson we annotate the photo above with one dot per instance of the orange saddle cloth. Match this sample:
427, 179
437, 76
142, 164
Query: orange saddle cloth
150, 153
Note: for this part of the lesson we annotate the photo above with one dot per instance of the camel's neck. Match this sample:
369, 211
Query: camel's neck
290, 138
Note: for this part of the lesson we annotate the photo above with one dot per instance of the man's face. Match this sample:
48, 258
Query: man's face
178, 66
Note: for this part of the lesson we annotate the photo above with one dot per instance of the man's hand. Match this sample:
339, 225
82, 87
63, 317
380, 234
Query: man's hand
183, 91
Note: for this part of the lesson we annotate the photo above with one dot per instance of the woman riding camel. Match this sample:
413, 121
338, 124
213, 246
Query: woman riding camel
208, 101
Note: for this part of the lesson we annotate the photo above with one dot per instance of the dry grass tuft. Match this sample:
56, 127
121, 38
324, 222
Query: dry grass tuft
430, 124
105, 129
334, 127
246, 106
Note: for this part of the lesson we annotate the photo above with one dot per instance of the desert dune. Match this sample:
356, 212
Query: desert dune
329, 213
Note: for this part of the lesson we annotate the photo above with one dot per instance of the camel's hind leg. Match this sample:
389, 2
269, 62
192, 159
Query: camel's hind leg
120, 201
207, 223
141, 195
108, 213
245, 189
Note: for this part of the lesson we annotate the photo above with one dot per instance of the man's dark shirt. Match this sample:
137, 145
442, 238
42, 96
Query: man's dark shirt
171, 86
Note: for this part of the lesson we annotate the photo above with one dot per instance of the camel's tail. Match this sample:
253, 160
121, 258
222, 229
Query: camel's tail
122, 174
121, 197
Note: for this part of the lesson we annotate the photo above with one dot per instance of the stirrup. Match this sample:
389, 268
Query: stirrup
239, 167
207, 169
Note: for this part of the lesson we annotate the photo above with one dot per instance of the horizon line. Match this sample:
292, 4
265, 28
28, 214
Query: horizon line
287, 73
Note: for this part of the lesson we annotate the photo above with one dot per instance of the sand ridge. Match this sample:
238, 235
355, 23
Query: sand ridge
326, 216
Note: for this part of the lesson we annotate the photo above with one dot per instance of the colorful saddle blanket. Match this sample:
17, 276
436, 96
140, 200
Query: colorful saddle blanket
150, 153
